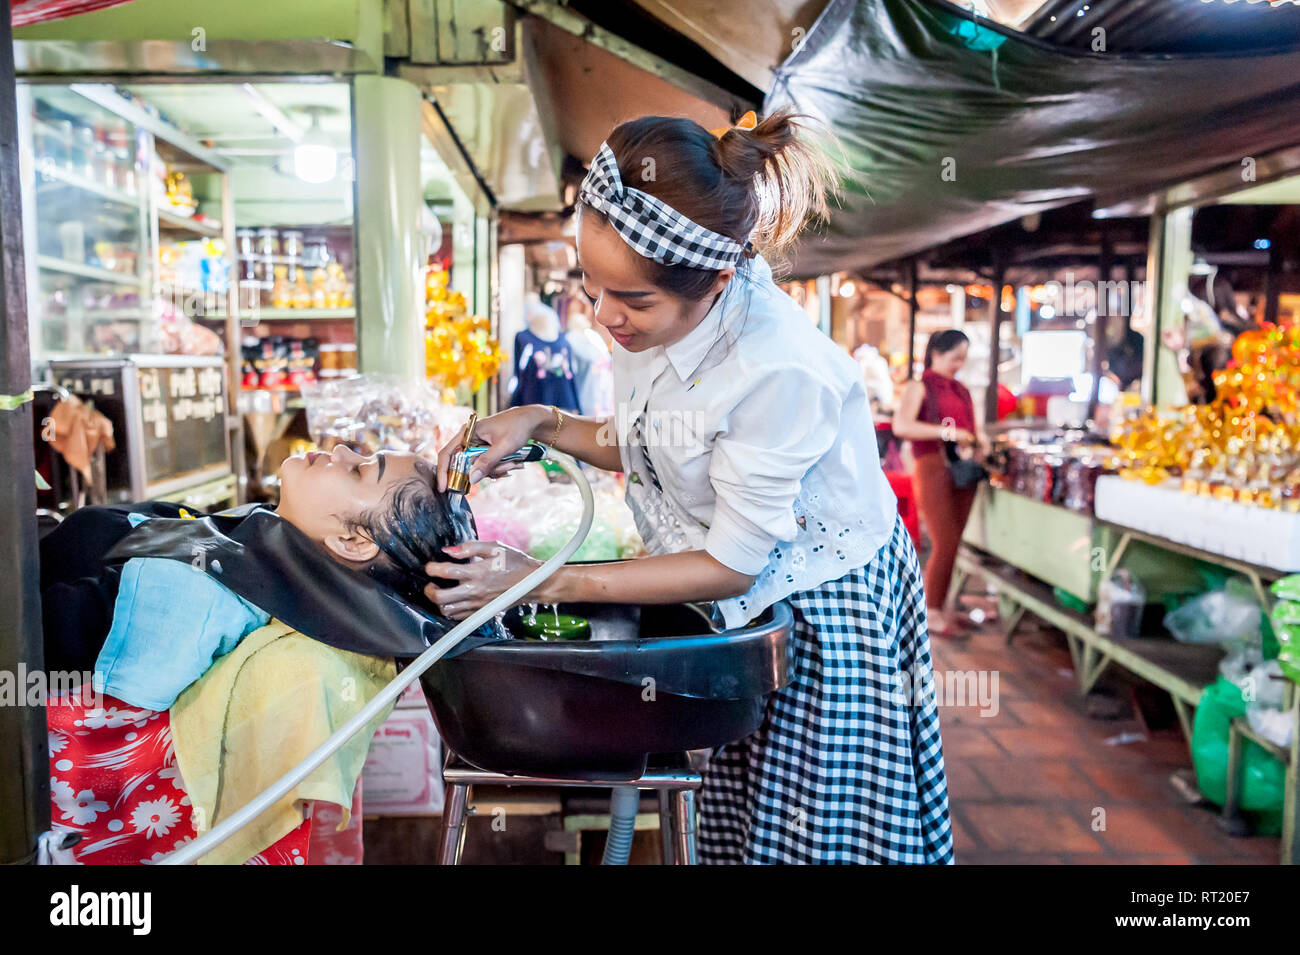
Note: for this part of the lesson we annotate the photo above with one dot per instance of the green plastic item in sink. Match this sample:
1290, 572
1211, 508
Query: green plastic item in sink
551, 626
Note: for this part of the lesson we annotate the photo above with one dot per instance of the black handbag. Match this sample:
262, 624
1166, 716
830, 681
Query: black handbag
964, 472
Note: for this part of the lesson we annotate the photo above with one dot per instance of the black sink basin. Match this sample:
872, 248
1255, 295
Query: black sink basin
653, 679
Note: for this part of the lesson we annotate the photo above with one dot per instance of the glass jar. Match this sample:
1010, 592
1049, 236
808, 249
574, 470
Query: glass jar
268, 243
291, 245
329, 360
105, 161
301, 291
334, 283
246, 243
347, 359
44, 146
318, 283
316, 252
282, 291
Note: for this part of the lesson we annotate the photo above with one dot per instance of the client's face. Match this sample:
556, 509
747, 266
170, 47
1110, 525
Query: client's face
321, 492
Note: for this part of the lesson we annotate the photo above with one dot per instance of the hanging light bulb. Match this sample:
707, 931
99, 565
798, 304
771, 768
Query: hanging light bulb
315, 160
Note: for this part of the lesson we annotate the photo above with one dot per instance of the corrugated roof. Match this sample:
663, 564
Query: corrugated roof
1167, 26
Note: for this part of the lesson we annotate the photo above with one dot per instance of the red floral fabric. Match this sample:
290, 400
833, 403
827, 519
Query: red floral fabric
114, 781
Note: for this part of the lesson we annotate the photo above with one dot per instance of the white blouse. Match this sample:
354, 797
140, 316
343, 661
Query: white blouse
761, 447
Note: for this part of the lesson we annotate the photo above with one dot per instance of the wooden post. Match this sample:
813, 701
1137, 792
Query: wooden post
1101, 322
24, 780
911, 319
995, 345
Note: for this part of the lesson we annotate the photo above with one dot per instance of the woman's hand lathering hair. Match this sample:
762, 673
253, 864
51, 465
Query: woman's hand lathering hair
412, 528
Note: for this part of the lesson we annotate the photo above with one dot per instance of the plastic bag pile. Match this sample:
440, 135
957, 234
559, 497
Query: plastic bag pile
1248, 686
371, 413
529, 511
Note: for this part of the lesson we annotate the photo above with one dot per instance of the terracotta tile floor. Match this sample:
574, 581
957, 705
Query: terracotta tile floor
1033, 781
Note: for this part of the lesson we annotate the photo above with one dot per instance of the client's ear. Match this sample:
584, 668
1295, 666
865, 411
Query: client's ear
352, 547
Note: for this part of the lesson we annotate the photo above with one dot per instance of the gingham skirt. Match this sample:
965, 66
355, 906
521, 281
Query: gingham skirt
848, 765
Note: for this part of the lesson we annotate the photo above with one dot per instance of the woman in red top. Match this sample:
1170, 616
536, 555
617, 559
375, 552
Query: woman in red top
936, 409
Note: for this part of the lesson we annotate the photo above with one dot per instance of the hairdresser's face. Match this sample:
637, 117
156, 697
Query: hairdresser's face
637, 314
948, 363
320, 491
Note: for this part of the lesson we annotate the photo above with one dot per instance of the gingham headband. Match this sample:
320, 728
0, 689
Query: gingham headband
650, 226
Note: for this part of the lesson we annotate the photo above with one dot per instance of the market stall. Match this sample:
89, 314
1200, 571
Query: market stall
1093, 311
1188, 508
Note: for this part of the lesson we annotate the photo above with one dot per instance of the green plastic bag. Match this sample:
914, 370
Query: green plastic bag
1286, 613
1267, 635
1288, 653
1288, 588
1070, 601
1262, 777
601, 542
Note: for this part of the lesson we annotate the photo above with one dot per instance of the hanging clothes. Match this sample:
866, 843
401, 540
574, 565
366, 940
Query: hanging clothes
544, 373
594, 370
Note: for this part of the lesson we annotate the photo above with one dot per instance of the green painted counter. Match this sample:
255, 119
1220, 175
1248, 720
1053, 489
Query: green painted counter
1067, 549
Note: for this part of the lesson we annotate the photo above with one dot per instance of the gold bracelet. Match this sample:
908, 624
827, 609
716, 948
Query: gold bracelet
559, 423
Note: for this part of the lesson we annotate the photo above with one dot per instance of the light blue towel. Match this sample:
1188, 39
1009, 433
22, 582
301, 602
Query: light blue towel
170, 621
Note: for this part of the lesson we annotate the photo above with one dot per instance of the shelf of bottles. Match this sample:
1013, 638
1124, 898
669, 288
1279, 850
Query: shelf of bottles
296, 304
91, 234
110, 217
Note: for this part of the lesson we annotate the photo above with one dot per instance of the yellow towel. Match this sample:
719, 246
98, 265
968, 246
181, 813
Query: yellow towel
258, 711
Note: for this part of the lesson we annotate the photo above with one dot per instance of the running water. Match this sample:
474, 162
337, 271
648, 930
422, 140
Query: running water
532, 614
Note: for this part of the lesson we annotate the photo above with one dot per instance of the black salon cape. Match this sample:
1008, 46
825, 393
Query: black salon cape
249, 550
77, 588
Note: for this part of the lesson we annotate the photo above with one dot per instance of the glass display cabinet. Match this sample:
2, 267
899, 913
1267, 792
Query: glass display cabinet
129, 236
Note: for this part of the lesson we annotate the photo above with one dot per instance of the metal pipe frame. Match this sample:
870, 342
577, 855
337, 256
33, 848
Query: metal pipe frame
676, 790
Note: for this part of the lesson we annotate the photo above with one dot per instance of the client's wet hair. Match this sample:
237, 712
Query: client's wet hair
412, 527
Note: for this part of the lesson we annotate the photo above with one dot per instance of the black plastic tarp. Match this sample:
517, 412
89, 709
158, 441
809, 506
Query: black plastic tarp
952, 124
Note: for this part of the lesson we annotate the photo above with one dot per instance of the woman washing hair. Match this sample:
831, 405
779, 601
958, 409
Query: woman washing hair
932, 411
181, 635
344, 520
753, 476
